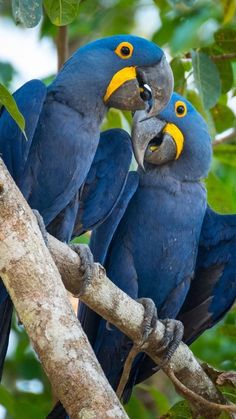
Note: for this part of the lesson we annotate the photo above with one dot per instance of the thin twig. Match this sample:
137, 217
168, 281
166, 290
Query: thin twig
223, 57
126, 370
217, 57
62, 46
190, 395
224, 140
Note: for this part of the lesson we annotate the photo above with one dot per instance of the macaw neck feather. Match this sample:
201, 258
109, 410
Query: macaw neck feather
80, 87
155, 175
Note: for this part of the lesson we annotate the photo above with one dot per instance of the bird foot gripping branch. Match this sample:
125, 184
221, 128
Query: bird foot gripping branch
87, 266
41, 225
172, 337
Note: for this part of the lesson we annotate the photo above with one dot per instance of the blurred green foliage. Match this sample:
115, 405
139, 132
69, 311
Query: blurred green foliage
200, 38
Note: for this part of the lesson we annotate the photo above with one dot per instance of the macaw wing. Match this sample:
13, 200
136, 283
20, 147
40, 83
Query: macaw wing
103, 234
213, 290
99, 244
100, 191
14, 147
105, 181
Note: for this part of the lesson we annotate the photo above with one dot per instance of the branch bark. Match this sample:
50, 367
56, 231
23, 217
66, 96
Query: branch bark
34, 284
218, 57
118, 308
225, 140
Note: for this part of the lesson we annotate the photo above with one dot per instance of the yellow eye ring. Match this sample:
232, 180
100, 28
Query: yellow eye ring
180, 109
124, 50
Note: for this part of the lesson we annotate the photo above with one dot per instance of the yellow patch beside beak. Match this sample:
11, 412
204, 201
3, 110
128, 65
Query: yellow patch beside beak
125, 74
177, 136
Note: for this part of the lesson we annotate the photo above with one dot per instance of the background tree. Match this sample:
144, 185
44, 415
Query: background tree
200, 38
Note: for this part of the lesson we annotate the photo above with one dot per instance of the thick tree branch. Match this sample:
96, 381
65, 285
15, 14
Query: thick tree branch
119, 309
41, 301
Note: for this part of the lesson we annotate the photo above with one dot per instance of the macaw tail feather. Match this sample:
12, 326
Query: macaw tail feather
5, 326
58, 412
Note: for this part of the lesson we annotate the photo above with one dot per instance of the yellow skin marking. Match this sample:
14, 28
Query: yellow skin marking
153, 147
180, 103
177, 136
118, 50
125, 74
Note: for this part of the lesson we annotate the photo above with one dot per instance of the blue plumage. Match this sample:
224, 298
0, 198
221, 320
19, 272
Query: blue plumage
213, 289
63, 126
14, 147
167, 245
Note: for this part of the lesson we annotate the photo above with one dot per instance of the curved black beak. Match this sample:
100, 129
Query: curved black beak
136, 88
154, 140
160, 150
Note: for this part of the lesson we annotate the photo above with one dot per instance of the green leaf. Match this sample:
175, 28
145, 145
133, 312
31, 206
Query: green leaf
226, 75
229, 10
135, 409
223, 117
160, 399
84, 239
162, 36
217, 189
179, 75
185, 34
8, 101
7, 72
115, 118
226, 39
61, 12
226, 154
207, 78
27, 12
188, 3
161, 402
180, 410
228, 330
6, 400
195, 99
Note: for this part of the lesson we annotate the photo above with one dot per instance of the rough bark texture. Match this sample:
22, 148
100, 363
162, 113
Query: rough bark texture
41, 301
119, 309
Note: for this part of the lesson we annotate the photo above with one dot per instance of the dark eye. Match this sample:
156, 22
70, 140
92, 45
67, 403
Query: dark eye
180, 110
125, 51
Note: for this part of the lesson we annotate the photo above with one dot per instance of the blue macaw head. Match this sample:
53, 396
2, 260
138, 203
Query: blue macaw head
123, 71
177, 137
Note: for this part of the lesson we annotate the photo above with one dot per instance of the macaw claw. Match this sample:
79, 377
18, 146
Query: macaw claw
87, 267
173, 335
41, 225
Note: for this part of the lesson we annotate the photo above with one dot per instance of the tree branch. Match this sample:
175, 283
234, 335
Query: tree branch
224, 140
35, 286
224, 57
217, 57
118, 308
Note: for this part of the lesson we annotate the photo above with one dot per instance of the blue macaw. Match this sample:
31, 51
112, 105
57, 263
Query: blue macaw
63, 126
162, 241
